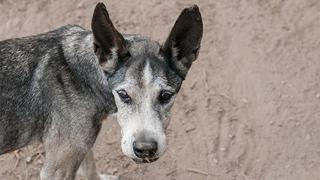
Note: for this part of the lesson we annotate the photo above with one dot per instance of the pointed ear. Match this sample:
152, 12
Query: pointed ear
109, 44
183, 44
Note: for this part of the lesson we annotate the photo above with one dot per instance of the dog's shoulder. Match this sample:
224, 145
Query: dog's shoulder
68, 33
74, 37
69, 29
61, 32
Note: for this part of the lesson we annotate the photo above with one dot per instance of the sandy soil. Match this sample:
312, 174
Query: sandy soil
249, 109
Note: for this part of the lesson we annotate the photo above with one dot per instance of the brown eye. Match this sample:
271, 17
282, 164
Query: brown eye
165, 96
124, 96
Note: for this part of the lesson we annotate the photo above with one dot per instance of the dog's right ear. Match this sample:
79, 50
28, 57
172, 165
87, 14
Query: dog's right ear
109, 44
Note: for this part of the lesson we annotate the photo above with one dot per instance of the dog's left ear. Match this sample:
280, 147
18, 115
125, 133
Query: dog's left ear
109, 44
183, 44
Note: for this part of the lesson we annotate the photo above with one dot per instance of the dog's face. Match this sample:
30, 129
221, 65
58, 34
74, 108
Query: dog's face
144, 97
145, 78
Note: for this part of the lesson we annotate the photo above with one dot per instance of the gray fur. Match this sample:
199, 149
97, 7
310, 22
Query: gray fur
54, 91
56, 88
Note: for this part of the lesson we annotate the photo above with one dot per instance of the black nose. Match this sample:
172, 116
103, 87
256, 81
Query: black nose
145, 149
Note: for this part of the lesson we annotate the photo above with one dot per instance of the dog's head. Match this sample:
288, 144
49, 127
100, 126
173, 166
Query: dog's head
145, 77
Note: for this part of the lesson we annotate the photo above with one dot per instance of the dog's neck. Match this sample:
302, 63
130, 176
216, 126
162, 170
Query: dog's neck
83, 63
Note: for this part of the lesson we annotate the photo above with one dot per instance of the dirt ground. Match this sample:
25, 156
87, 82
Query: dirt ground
249, 109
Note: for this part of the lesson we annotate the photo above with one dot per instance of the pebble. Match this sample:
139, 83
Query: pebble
126, 165
232, 136
190, 128
215, 161
244, 100
28, 160
114, 171
308, 137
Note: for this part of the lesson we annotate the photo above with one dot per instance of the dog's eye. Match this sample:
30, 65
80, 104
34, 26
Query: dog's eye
165, 96
126, 56
124, 96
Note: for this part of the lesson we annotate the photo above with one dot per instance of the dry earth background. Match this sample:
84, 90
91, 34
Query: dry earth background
249, 109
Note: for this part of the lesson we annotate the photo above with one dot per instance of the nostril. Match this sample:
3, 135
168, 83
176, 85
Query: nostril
137, 151
145, 149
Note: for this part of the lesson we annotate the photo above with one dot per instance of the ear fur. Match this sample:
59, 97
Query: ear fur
109, 44
183, 43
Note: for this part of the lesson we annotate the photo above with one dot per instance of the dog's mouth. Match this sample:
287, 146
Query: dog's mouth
145, 160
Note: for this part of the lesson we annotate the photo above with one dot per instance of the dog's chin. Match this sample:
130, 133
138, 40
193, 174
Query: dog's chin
142, 161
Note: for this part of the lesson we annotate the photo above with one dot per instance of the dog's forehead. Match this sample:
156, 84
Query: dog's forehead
148, 70
139, 45
145, 65
144, 71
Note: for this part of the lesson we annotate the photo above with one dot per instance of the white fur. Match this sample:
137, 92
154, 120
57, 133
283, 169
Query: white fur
108, 177
110, 64
175, 52
179, 62
147, 74
139, 116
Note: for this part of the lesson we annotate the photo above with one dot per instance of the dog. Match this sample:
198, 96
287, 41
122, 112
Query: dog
57, 87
